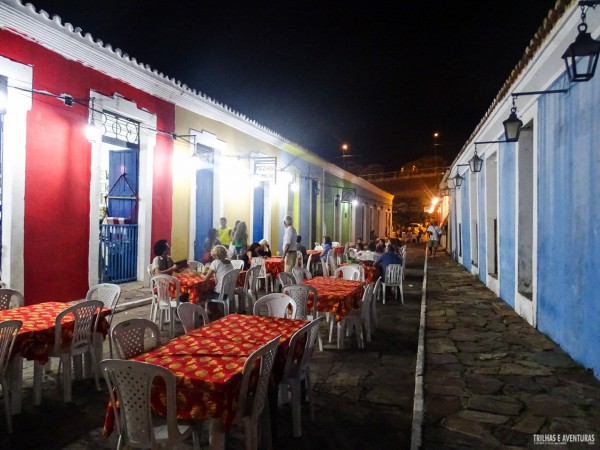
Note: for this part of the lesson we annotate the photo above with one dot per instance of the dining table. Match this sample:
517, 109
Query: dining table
336, 296
371, 272
274, 265
35, 340
208, 363
194, 285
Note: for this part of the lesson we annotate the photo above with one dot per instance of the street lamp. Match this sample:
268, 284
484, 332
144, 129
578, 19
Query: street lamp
581, 57
435, 144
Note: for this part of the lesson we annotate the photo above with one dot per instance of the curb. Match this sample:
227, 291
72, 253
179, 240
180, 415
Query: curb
416, 438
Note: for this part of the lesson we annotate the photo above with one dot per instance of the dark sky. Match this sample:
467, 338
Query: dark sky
381, 76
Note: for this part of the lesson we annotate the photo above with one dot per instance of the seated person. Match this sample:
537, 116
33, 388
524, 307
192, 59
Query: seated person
163, 264
327, 246
301, 248
387, 258
380, 249
218, 268
264, 250
253, 252
359, 244
209, 243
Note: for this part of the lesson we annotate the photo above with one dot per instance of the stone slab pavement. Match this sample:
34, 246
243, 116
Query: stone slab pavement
492, 381
363, 398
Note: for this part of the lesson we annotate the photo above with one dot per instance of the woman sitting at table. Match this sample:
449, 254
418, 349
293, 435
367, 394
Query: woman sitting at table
253, 252
327, 246
163, 264
264, 250
218, 268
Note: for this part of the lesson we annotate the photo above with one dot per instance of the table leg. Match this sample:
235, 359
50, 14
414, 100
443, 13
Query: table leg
15, 371
216, 438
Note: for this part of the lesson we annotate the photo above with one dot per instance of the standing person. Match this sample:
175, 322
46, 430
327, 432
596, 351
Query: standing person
224, 232
289, 244
434, 238
240, 238
209, 243
301, 248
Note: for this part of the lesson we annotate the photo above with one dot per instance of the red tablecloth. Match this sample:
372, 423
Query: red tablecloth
35, 340
197, 288
338, 250
335, 295
274, 265
208, 364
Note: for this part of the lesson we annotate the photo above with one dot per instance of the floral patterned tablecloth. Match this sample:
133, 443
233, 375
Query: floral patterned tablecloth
194, 285
336, 296
208, 364
274, 265
35, 340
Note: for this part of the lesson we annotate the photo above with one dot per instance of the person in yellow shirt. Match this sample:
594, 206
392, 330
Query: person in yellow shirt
224, 233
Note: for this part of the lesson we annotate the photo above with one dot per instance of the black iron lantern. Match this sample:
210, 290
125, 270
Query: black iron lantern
458, 180
581, 57
445, 192
512, 125
475, 163
337, 200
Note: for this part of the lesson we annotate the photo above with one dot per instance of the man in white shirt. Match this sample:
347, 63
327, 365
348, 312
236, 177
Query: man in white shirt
289, 244
434, 238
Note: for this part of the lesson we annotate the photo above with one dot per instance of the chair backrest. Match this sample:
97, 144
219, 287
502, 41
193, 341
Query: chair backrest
365, 307
252, 277
285, 279
160, 284
193, 265
318, 247
237, 263
149, 269
259, 261
251, 402
299, 259
335, 244
229, 284
377, 289
297, 362
361, 271
347, 273
9, 329
11, 298
300, 273
393, 274
107, 293
277, 305
299, 293
134, 336
130, 385
86, 315
192, 316
331, 263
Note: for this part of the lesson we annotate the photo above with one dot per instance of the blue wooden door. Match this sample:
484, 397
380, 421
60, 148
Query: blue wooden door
123, 184
204, 209
258, 218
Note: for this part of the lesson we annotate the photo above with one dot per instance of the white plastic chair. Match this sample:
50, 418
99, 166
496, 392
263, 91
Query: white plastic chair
86, 316
361, 271
134, 336
348, 273
227, 293
108, 294
164, 308
192, 316
251, 403
250, 289
264, 275
9, 330
238, 264
277, 305
393, 279
356, 319
299, 259
285, 279
376, 295
331, 264
11, 298
297, 369
300, 273
299, 293
130, 385
313, 267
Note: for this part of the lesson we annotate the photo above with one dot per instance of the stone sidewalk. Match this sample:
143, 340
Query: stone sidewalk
491, 380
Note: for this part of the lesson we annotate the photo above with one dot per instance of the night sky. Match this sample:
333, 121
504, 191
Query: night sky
380, 76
